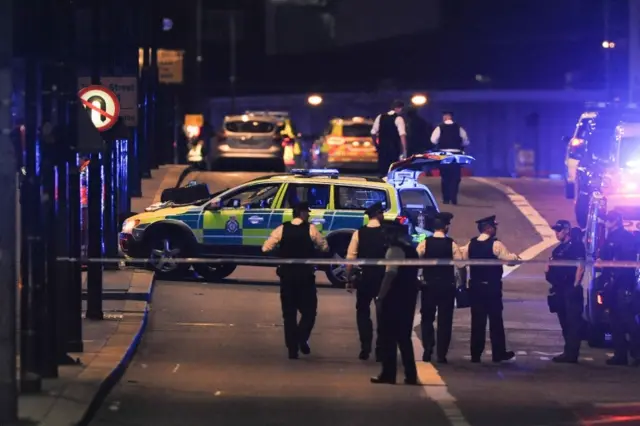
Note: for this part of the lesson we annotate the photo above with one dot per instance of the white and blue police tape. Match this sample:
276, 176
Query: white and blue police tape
360, 262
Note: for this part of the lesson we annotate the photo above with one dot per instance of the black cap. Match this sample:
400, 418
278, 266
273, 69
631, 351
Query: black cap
489, 220
374, 209
445, 217
613, 216
561, 225
397, 104
302, 206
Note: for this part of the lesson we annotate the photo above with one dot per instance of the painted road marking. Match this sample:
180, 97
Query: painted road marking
204, 324
176, 368
542, 227
433, 386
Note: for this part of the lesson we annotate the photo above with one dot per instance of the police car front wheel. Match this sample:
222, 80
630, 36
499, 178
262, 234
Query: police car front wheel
164, 255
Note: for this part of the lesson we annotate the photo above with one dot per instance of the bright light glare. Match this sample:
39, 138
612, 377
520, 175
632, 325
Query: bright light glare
419, 100
633, 163
314, 100
192, 131
630, 186
608, 44
245, 118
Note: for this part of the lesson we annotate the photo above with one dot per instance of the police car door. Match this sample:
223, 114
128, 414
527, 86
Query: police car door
418, 204
317, 194
240, 223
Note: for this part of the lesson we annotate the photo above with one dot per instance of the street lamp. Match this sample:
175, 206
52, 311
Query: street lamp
608, 44
314, 100
419, 100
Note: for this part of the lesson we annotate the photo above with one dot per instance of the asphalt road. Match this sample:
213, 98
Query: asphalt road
214, 353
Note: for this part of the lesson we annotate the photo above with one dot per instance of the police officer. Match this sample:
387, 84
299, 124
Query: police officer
297, 239
367, 243
566, 295
438, 293
396, 303
451, 137
390, 135
195, 158
619, 291
485, 291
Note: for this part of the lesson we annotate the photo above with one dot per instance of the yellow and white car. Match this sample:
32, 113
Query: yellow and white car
346, 143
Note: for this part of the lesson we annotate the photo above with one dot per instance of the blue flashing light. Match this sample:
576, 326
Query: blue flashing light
315, 172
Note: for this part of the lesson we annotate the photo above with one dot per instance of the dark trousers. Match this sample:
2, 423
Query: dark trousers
384, 162
486, 304
569, 310
450, 177
364, 297
623, 324
396, 326
440, 298
298, 294
193, 167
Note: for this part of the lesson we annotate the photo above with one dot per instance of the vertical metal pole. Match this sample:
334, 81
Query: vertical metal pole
94, 273
176, 128
8, 273
30, 330
143, 134
197, 106
73, 323
232, 59
607, 51
152, 118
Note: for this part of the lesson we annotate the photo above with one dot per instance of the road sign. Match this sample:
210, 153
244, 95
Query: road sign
194, 120
126, 90
103, 105
170, 65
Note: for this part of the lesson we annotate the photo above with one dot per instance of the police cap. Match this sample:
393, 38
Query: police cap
374, 209
302, 206
397, 104
489, 220
613, 216
561, 225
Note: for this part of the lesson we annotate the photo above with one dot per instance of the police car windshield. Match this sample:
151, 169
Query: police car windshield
356, 130
252, 126
629, 151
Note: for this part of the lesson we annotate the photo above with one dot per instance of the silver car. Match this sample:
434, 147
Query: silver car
256, 136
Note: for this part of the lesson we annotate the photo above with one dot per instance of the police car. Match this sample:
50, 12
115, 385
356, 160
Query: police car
236, 222
346, 142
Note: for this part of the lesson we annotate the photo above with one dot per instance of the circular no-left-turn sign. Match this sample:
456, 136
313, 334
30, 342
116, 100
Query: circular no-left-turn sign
102, 104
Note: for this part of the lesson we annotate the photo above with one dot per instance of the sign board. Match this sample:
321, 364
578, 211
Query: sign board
194, 120
103, 105
126, 90
170, 65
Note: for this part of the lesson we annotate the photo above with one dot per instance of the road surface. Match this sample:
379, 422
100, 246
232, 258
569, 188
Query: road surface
214, 354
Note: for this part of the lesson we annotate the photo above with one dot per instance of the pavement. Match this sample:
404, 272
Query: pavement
214, 353
74, 396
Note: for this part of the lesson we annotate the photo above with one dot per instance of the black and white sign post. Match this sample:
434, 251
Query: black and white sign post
103, 107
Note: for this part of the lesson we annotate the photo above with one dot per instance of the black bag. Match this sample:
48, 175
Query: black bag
462, 297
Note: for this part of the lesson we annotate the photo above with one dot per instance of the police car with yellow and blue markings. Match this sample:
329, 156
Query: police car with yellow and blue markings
236, 222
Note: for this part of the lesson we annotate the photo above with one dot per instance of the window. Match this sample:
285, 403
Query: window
358, 198
249, 126
253, 197
416, 199
357, 130
317, 195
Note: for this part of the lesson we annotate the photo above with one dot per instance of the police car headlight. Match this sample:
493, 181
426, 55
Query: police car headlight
128, 225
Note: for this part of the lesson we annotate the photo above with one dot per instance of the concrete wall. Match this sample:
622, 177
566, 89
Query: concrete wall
495, 120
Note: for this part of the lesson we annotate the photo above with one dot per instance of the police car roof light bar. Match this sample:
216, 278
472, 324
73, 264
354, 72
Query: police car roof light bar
269, 113
315, 172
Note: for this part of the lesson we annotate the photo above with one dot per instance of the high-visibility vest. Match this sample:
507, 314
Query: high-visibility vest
195, 154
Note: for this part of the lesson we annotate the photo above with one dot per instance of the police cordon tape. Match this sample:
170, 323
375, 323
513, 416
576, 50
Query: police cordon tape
358, 262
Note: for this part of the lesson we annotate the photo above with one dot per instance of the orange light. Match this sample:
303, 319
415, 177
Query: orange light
576, 142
